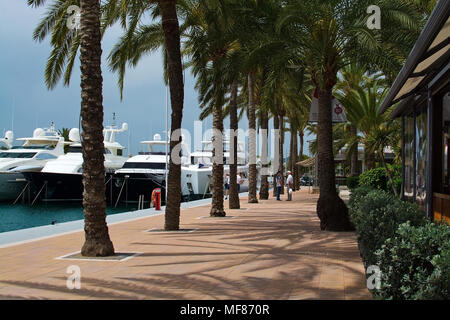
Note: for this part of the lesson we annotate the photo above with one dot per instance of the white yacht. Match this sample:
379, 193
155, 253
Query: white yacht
35, 152
196, 177
61, 179
141, 174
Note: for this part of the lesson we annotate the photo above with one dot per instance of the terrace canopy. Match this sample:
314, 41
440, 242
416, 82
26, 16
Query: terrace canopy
422, 94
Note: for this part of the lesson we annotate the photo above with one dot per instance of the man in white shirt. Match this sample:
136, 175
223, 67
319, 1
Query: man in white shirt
290, 185
239, 181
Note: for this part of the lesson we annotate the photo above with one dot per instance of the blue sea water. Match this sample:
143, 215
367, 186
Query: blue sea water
22, 216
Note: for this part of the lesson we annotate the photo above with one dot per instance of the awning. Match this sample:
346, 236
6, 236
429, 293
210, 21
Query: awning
306, 163
429, 56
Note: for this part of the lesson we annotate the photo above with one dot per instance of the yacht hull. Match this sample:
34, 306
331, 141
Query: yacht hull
60, 187
131, 186
11, 184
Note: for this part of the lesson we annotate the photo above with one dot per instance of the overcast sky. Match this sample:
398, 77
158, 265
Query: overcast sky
25, 102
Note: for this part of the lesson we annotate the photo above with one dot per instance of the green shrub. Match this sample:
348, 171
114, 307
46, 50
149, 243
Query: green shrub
353, 182
415, 263
378, 178
376, 215
375, 178
396, 173
356, 197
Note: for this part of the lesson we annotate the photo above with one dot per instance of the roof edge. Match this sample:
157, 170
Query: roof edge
435, 22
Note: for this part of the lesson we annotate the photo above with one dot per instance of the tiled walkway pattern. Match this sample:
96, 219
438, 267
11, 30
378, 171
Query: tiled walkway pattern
270, 250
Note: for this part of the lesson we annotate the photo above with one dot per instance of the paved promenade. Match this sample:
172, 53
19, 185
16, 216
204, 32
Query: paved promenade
270, 250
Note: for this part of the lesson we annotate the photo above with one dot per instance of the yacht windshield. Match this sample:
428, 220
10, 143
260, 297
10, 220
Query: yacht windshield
75, 150
17, 154
144, 165
35, 146
158, 149
79, 149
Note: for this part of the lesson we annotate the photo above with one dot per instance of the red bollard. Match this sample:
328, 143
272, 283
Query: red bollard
158, 199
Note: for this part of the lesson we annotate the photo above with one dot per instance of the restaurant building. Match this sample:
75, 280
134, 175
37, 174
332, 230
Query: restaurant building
422, 94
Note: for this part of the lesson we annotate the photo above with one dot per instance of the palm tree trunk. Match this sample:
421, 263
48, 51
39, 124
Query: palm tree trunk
172, 43
252, 140
294, 159
291, 152
97, 241
234, 195
300, 153
276, 127
264, 191
217, 209
331, 210
354, 156
281, 154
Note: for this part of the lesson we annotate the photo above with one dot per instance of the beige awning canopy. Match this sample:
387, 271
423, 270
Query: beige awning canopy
306, 163
429, 57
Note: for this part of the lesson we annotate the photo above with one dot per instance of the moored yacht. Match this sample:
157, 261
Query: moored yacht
141, 174
35, 152
197, 176
61, 179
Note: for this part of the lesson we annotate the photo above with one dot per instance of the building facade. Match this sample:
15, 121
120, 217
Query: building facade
422, 94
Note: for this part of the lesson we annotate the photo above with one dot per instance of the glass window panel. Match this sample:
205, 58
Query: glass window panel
446, 143
421, 159
409, 149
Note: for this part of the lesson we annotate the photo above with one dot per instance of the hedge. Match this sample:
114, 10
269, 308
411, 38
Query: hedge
413, 254
415, 264
376, 215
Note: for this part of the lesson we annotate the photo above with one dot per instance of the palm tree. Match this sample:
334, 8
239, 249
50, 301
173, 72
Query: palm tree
234, 195
97, 240
329, 34
171, 30
139, 38
375, 131
209, 45
64, 132
252, 172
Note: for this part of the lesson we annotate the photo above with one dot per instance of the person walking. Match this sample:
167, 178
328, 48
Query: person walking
227, 186
290, 185
278, 184
239, 181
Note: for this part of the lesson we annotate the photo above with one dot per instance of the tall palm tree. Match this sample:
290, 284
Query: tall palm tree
208, 45
329, 34
375, 131
350, 78
234, 195
97, 240
252, 172
139, 38
171, 30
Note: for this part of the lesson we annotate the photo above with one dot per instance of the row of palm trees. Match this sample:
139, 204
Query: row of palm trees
261, 57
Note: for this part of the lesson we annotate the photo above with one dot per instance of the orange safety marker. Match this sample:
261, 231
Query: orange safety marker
157, 192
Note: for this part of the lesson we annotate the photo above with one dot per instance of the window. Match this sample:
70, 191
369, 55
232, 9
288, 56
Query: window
45, 156
75, 150
144, 165
409, 157
158, 148
17, 154
446, 143
421, 159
